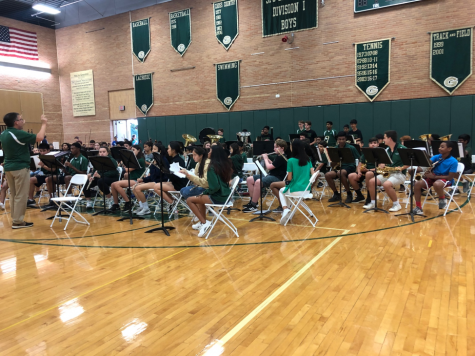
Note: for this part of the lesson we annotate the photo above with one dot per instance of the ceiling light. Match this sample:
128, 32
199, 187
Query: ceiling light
46, 9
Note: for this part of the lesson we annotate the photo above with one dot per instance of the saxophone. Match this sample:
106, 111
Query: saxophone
387, 171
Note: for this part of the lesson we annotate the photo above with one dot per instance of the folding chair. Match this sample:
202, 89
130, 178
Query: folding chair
451, 190
79, 181
471, 180
218, 215
297, 201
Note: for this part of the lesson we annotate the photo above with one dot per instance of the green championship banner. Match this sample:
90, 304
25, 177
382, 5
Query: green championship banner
451, 58
372, 67
140, 34
143, 85
366, 5
227, 83
226, 22
285, 16
180, 30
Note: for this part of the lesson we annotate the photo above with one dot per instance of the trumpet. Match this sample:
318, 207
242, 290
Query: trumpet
386, 171
363, 168
337, 167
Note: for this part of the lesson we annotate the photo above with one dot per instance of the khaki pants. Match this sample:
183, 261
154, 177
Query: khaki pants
19, 183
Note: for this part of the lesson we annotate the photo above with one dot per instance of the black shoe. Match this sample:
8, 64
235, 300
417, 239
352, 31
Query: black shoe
22, 225
31, 202
278, 210
249, 209
127, 205
334, 198
37, 195
115, 207
247, 205
359, 199
349, 198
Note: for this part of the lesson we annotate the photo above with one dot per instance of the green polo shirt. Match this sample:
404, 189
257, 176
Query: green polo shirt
244, 157
325, 163
368, 165
80, 163
222, 140
16, 148
396, 157
355, 153
134, 175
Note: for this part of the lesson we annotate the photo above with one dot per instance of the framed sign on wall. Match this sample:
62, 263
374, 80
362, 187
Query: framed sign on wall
366, 5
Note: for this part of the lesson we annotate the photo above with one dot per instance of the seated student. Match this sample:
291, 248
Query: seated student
344, 172
218, 177
76, 164
176, 183
357, 178
380, 138
277, 171
207, 145
237, 161
149, 182
102, 180
118, 187
199, 180
330, 134
322, 166
443, 173
40, 179
404, 138
97, 145
320, 139
346, 129
464, 139
66, 147
395, 178
299, 170
147, 152
266, 135
241, 150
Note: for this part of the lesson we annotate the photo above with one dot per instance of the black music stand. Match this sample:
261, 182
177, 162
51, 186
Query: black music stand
130, 161
164, 168
54, 164
102, 164
417, 144
377, 156
295, 137
342, 155
411, 157
260, 148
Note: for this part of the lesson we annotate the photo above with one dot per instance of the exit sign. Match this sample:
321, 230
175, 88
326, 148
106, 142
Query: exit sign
366, 5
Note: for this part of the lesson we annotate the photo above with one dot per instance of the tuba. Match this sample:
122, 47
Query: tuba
425, 137
188, 139
214, 138
445, 138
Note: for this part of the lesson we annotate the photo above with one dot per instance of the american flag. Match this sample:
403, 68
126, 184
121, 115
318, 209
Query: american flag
18, 43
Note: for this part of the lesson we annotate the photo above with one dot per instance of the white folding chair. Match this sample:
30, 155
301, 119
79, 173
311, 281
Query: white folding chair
471, 180
451, 190
297, 201
218, 215
64, 203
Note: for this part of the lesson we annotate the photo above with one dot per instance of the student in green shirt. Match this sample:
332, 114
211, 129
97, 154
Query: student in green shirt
219, 175
75, 164
330, 135
361, 174
102, 180
343, 173
221, 133
16, 149
299, 171
118, 187
395, 179
237, 161
301, 127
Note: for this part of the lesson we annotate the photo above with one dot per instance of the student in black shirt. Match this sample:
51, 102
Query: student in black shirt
266, 135
311, 135
354, 130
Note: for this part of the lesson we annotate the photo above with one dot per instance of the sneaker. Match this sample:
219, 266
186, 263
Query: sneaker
249, 209
89, 204
308, 196
127, 205
285, 217
335, 197
278, 210
204, 227
137, 211
196, 226
144, 211
359, 199
247, 205
115, 207
22, 225
417, 211
2, 206
37, 195
368, 206
457, 191
396, 207
195, 219
349, 198
442, 203
31, 202
465, 186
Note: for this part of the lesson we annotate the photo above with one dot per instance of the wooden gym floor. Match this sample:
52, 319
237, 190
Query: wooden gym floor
357, 284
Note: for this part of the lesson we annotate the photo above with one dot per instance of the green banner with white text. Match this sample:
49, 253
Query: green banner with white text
226, 22
227, 83
140, 34
180, 30
451, 58
372, 67
284, 16
143, 85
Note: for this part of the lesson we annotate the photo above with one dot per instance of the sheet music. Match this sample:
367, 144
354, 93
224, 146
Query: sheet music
37, 160
461, 150
259, 166
175, 169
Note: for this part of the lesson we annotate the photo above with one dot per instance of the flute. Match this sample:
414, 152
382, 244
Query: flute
152, 163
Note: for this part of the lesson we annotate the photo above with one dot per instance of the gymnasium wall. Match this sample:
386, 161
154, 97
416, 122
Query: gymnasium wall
37, 82
182, 95
414, 117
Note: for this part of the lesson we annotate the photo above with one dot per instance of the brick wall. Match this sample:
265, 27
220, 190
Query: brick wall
107, 52
47, 84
